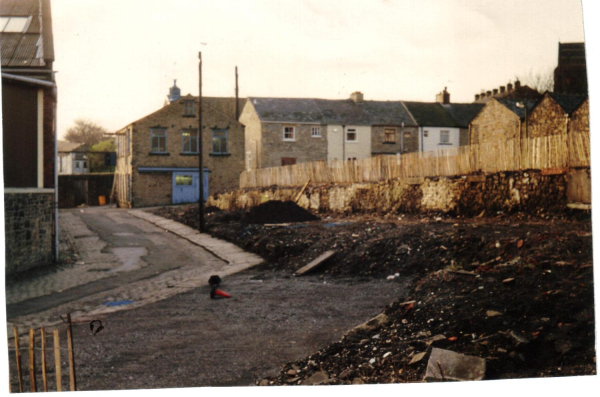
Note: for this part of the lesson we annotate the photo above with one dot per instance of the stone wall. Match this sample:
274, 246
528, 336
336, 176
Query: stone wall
580, 118
468, 195
380, 146
28, 230
253, 136
495, 123
152, 189
547, 118
304, 149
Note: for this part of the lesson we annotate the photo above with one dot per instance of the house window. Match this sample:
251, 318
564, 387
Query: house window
351, 135
444, 137
189, 141
389, 135
158, 140
288, 160
315, 132
219, 142
188, 108
14, 24
352, 159
183, 180
289, 133
425, 133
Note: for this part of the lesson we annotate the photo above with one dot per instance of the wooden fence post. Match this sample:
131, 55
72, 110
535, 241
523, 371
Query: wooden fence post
57, 360
71, 356
18, 360
32, 360
44, 376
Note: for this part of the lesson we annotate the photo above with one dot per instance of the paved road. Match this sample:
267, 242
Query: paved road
173, 334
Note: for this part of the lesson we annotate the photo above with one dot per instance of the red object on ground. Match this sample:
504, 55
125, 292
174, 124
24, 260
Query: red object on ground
218, 292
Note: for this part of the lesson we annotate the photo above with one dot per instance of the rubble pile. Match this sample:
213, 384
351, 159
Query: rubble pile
516, 291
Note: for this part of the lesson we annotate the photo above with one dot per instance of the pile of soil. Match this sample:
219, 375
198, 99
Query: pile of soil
274, 212
485, 284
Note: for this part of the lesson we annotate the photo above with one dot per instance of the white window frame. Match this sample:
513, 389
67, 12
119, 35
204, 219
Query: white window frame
293, 132
189, 108
353, 130
315, 132
152, 132
445, 133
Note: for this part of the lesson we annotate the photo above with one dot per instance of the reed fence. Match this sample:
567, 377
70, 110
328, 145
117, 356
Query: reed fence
547, 152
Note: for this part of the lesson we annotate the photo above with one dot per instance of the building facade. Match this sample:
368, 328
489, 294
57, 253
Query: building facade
158, 155
29, 148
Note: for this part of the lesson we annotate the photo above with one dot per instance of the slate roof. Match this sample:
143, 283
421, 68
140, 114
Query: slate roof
34, 47
431, 114
331, 111
463, 113
569, 103
67, 147
511, 104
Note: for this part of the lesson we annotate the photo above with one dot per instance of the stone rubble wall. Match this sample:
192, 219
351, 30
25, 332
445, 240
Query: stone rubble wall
528, 191
28, 230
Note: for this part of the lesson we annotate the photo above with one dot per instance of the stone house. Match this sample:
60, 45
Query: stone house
29, 140
285, 131
437, 129
551, 115
500, 119
157, 156
72, 158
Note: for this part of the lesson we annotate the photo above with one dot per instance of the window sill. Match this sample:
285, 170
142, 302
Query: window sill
189, 154
219, 154
445, 144
289, 140
389, 143
316, 136
158, 154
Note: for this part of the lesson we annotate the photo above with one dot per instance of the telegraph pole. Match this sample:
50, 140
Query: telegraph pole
201, 227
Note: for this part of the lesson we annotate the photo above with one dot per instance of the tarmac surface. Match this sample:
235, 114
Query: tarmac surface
146, 279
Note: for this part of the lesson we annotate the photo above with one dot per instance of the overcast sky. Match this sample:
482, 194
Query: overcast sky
116, 59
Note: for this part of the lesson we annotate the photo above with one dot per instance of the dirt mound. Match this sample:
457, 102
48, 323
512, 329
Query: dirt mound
278, 212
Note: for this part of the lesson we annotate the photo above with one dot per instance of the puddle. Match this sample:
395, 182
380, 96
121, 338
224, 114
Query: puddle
130, 257
123, 234
117, 303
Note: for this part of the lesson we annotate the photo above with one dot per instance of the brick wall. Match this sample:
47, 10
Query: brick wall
304, 149
225, 169
495, 123
28, 230
547, 118
379, 146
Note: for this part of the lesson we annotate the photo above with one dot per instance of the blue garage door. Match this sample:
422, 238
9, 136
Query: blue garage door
186, 188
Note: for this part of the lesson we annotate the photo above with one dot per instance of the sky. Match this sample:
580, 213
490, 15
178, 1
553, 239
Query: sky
116, 59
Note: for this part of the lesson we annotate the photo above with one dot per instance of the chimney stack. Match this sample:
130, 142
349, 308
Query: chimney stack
488, 93
495, 91
357, 97
502, 89
509, 87
517, 85
443, 97
476, 97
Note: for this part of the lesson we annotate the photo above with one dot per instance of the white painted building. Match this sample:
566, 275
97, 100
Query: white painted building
348, 142
70, 161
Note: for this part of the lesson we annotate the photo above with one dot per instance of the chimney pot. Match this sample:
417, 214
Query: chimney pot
509, 87
488, 93
357, 97
495, 91
476, 97
502, 89
517, 85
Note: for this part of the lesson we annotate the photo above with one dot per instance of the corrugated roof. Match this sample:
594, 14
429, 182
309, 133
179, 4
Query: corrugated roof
331, 111
463, 113
431, 114
23, 49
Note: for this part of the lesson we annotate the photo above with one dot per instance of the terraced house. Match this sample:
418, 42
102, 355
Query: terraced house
157, 156
286, 131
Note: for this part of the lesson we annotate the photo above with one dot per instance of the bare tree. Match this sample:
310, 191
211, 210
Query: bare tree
540, 81
85, 131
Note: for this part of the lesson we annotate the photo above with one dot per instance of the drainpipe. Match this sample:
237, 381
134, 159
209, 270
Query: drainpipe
55, 94
344, 142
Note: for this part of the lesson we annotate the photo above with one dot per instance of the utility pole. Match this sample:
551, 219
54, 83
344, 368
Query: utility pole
201, 226
237, 109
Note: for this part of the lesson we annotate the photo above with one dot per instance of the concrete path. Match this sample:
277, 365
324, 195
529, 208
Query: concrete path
123, 262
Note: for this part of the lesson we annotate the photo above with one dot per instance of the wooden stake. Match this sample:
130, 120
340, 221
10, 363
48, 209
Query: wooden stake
71, 356
302, 191
44, 376
57, 360
32, 360
18, 360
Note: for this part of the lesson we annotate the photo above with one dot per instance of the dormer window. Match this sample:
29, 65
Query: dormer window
188, 109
